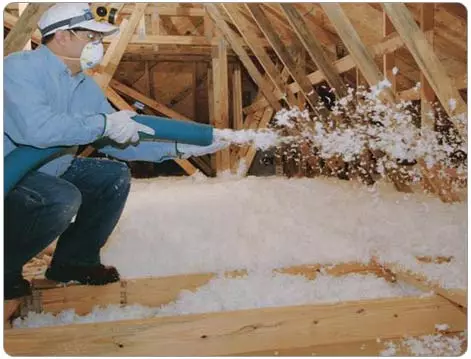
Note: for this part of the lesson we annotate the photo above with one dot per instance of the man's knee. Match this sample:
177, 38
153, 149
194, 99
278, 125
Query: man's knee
121, 178
66, 203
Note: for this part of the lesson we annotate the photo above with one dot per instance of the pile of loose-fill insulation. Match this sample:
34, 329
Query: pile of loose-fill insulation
196, 225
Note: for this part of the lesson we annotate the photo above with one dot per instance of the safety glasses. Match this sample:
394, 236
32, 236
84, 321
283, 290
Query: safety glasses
91, 36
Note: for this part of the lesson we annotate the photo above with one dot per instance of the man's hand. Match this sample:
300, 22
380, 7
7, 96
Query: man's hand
186, 151
120, 127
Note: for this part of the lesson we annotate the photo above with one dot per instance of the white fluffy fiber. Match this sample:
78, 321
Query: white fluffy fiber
194, 225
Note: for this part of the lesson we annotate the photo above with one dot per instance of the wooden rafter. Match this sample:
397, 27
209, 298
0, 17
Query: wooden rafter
236, 45
389, 58
110, 62
156, 106
264, 24
428, 62
153, 104
427, 95
391, 43
314, 49
241, 23
19, 36
121, 104
362, 57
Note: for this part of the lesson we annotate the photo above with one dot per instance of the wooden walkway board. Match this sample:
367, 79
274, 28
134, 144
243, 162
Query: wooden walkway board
233, 333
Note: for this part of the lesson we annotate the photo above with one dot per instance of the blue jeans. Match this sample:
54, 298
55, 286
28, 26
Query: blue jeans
41, 208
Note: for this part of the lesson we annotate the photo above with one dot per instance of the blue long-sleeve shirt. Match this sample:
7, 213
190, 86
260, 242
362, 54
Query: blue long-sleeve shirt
45, 106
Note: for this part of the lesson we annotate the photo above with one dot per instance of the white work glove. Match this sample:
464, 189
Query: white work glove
185, 151
121, 128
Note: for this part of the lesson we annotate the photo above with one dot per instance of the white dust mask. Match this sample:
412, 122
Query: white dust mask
92, 54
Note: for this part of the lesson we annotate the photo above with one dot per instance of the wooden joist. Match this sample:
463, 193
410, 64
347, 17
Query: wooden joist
428, 62
456, 296
233, 333
314, 49
236, 45
24, 28
49, 297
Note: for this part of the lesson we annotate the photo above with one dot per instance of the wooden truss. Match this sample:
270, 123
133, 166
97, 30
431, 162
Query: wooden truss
355, 326
258, 34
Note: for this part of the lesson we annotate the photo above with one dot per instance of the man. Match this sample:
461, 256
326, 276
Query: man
49, 101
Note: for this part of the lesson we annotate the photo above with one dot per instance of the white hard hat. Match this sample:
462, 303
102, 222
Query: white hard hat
64, 16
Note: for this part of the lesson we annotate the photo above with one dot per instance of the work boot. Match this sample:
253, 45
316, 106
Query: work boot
16, 287
94, 274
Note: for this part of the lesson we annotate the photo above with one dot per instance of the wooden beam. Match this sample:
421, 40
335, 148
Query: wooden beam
241, 23
236, 45
221, 99
153, 104
121, 104
342, 65
360, 54
19, 36
428, 62
161, 108
10, 21
21, 8
388, 59
314, 49
252, 151
456, 296
427, 95
237, 97
231, 333
52, 297
106, 71
270, 33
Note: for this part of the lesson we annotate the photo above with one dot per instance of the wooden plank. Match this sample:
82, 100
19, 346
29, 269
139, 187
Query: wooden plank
388, 59
428, 62
121, 104
427, 95
19, 36
51, 297
342, 65
21, 8
252, 151
236, 45
237, 97
106, 71
360, 54
231, 333
270, 33
241, 23
153, 104
221, 99
211, 110
314, 49
456, 296
363, 348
